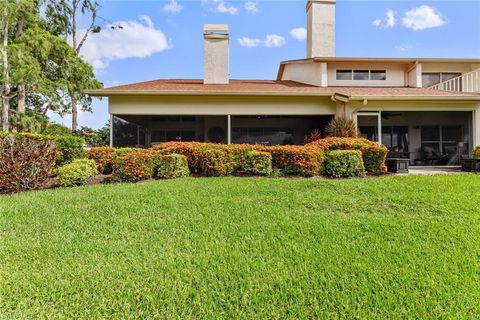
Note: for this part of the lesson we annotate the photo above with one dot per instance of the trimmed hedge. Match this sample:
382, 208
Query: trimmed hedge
69, 148
26, 161
257, 163
297, 160
344, 164
103, 157
208, 159
171, 166
476, 152
121, 151
373, 154
218, 159
76, 173
134, 166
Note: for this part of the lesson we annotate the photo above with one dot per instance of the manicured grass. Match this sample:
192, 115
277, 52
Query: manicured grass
392, 247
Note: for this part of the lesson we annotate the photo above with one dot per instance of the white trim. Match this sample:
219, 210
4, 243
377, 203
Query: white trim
111, 130
229, 129
476, 127
380, 127
379, 122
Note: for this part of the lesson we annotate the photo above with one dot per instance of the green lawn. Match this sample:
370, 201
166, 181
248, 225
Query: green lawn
392, 247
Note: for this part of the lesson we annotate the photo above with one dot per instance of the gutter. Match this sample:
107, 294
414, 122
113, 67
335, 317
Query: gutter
338, 96
108, 93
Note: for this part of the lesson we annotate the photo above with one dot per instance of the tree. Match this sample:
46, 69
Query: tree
62, 17
17, 66
37, 67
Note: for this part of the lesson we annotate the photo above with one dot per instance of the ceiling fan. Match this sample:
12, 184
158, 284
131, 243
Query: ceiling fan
387, 115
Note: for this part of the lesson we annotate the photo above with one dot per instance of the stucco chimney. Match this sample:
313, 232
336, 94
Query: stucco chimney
215, 60
320, 28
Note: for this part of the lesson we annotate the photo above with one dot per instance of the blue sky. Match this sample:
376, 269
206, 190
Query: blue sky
163, 39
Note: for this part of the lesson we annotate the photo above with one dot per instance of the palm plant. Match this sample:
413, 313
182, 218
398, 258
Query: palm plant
341, 127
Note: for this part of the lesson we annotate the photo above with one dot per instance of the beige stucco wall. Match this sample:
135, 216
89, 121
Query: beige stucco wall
321, 28
462, 67
395, 74
414, 76
216, 60
309, 73
221, 105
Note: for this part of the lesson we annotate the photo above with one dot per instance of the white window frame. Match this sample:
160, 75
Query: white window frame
378, 114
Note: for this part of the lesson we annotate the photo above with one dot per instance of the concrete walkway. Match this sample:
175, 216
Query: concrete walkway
436, 170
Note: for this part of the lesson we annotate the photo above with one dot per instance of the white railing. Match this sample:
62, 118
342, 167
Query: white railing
468, 82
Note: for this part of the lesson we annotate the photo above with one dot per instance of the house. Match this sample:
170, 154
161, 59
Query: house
425, 109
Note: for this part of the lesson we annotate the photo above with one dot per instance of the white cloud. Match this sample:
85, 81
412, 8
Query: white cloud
220, 6
270, 41
299, 34
172, 7
388, 22
249, 42
274, 41
136, 39
423, 17
251, 6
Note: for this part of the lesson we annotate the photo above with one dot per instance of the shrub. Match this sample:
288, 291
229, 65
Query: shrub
171, 166
340, 127
476, 152
26, 161
344, 164
76, 173
103, 157
373, 154
121, 151
69, 148
217, 159
209, 159
133, 166
214, 162
257, 163
297, 160
313, 135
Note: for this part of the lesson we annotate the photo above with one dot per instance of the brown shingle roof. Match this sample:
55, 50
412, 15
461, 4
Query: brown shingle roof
270, 87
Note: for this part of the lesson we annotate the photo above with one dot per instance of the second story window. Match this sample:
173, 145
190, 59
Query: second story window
432, 78
343, 74
378, 75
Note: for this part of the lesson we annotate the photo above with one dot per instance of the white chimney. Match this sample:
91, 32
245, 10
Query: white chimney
320, 28
215, 60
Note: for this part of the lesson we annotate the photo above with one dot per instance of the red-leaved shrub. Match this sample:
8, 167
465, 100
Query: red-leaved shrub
373, 153
297, 160
134, 166
209, 159
103, 157
26, 161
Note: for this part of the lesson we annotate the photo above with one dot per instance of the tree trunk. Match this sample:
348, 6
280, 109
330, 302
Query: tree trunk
21, 88
21, 98
5, 94
74, 114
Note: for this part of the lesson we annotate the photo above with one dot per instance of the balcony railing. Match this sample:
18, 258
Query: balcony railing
468, 82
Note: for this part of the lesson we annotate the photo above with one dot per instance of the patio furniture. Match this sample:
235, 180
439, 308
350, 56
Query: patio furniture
470, 164
397, 165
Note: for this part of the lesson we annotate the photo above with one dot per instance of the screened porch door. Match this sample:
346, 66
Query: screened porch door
370, 125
